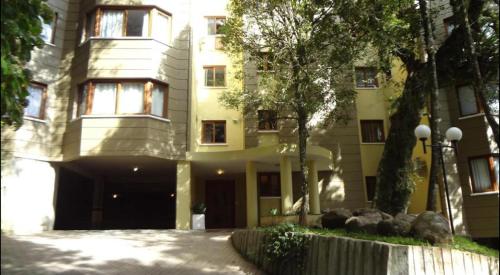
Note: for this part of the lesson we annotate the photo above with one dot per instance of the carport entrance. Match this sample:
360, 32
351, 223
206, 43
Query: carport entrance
116, 193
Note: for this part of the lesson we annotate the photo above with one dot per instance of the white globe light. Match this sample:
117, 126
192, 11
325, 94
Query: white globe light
422, 132
454, 134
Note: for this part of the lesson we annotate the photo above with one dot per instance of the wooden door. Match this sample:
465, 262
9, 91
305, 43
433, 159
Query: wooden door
219, 197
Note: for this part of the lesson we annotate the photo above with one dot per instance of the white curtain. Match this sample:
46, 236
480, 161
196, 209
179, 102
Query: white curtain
161, 28
83, 100
467, 99
104, 99
35, 101
112, 24
132, 98
481, 174
145, 24
47, 31
157, 102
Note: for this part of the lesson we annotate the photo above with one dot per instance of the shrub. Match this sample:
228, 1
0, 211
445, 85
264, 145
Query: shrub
285, 245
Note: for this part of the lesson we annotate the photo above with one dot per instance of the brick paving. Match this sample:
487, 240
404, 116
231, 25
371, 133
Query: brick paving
135, 252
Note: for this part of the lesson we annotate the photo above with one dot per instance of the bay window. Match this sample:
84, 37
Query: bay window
116, 22
126, 97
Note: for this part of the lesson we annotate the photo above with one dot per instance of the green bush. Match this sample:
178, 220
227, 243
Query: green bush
285, 245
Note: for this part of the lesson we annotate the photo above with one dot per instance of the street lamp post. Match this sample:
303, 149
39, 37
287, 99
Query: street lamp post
453, 134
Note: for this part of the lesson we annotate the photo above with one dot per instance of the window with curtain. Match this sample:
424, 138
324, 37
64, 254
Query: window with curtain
484, 173
467, 101
366, 77
36, 101
111, 23
132, 98
215, 25
157, 101
267, 120
122, 97
104, 102
215, 76
162, 28
49, 30
214, 131
372, 131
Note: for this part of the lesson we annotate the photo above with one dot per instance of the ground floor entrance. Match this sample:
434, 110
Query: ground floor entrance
220, 198
115, 194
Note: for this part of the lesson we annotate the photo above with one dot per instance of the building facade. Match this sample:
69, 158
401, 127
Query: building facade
124, 130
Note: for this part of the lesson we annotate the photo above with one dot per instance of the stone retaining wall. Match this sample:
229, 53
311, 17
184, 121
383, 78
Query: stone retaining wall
340, 255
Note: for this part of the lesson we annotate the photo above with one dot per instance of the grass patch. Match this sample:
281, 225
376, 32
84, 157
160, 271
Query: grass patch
459, 242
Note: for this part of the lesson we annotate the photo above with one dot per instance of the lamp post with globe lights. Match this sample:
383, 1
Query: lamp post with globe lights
454, 135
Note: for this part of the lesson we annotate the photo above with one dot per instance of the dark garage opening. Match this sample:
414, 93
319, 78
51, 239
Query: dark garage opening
139, 206
125, 205
74, 201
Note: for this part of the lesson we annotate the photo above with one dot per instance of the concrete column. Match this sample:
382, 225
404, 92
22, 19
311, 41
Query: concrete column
286, 185
97, 204
183, 202
312, 181
251, 187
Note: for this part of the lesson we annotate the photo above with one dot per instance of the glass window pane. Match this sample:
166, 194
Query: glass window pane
372, 131
157, 104
467, 99
132, 98
47, 30
161, 28
360, 77
267, 120
371, 78
219, 22
112, 24
82, 104
207, 132
219, 76
211, 26
220, 132
209, 77
137, 23
104, 99
89, 27
34, 101
480, 174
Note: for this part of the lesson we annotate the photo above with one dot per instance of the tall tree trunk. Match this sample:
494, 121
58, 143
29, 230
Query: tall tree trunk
393, 188
435, 117
303, 135
478, 84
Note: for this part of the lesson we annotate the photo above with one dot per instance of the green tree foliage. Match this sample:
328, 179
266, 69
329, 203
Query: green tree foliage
310, 46
394, 27
21, 29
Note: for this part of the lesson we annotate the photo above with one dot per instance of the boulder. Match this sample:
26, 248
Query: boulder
432, 227
336, 218
367, 224
371, 212
399, 226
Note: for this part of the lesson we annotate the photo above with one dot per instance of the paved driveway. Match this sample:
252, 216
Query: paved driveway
135, 252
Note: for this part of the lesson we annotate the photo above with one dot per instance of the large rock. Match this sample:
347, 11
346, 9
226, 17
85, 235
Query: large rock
336, 218
432, 227
367, 224
399, 226
371, 212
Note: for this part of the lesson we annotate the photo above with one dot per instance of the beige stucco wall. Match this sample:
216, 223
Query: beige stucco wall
27, 197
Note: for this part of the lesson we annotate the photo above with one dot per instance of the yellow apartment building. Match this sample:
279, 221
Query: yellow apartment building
124, 130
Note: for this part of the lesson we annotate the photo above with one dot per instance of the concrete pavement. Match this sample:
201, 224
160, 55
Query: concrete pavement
134, 252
